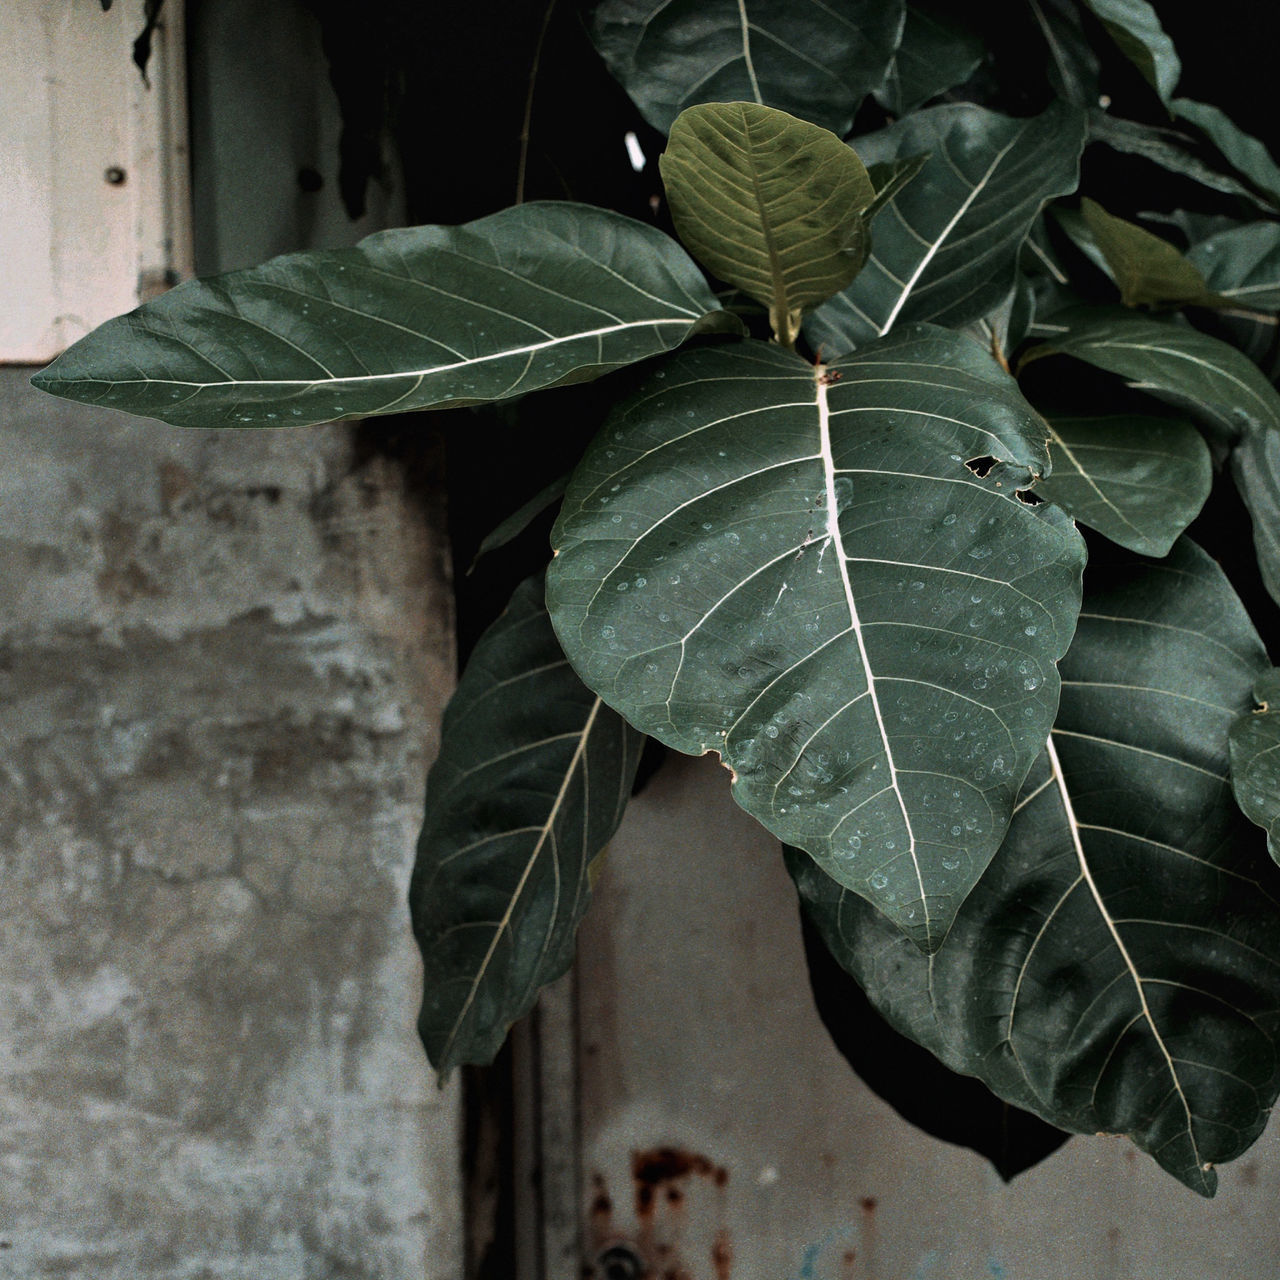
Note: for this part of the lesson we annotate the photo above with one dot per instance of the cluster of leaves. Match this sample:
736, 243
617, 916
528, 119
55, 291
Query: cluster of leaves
831, 529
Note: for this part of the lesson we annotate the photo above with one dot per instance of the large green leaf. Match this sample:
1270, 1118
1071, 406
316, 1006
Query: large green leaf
795, 568
1149, 271
816, 59
771, 204
936, 53
1173, 361
945, 248
1249, 157
1135, 27
533, 774
1255, 759
1139, 480
531, 297
1117, 968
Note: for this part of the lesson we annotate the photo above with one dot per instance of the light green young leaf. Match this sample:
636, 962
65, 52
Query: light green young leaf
816, 59
936, 53
1139, 480
803, 575
534, 296
1149, 271
1255, 759
769, 203
1200, 374
533, 775
1117, 967
945, 248
1135, 27
1244, 153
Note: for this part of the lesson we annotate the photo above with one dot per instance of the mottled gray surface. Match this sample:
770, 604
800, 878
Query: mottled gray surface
222, 661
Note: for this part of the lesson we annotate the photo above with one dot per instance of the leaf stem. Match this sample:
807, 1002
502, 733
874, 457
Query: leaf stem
528, 102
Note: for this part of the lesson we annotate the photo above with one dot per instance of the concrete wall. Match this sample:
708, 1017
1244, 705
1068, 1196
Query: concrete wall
724, 1138
223, 657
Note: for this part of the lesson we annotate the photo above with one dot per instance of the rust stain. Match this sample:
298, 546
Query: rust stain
722, 1255
868, 1204
1249, 1174
661, 1176
847, 1264
662, 1164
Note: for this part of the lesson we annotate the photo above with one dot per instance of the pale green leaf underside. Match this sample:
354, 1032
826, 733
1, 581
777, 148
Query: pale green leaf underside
1139, 480
816, 59
1148, 270
1255, 760
807, 579
769, 203
530, 297
945, 248
1117, 968
532, 778
1135, 27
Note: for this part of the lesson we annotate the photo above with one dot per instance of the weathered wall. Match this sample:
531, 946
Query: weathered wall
724, 1138
222, 661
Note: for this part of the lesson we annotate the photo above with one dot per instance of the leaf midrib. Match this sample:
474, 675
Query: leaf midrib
361, 379
842, 559
503, 924
1087, 876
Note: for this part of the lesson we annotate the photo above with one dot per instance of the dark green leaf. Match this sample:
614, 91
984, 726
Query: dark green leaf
1181, 365
531, 781
946, 247
1243, 265
913, 1082
1073, 65
1168, 149
531, 297
1149, 271
803, 575
1255, 759
936, 53
769, 203
1245, 154
816, 59
890, 177
1135, 27
1255, 467
520, 519
1138, 480
1117, 968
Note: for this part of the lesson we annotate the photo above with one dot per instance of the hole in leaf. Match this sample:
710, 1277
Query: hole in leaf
981, 467
1026, 496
